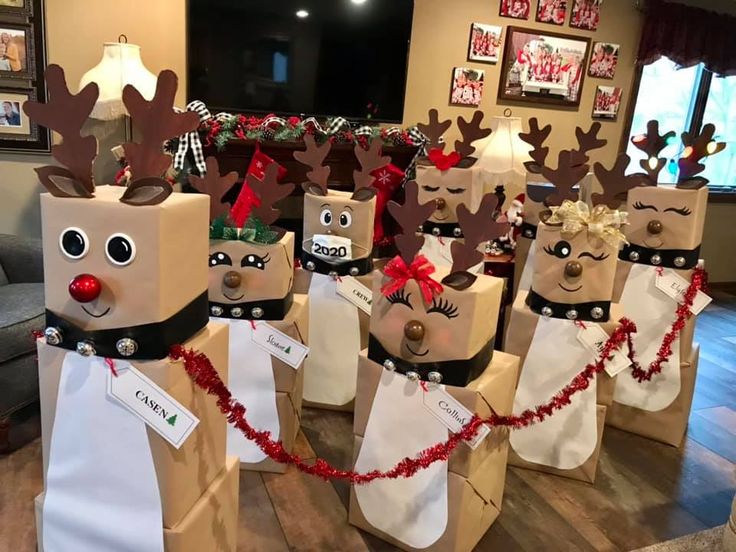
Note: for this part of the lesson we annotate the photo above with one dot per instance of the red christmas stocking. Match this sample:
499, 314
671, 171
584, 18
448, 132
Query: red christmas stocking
388, 179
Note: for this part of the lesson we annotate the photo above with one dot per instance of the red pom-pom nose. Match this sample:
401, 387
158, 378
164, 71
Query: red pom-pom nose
85, 288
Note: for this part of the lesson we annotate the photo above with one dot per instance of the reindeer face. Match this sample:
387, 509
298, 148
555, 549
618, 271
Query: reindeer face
112, 265
338, 214
449, 189
666, 218
455, 326
243, 272
572, 269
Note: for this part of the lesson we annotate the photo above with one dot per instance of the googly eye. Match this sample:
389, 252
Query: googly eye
346, 219
325, 217
120, 249
74, 242
562, 249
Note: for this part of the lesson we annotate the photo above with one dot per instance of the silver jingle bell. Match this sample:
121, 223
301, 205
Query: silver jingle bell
435, 231
236, 312
528, 233
679, 262
655, 260
634, 256
412, 376
434, 377
457, 232
310, 265
256, 312
126, 346
354, 270
85, 348
389, 365
547, 311
420, 228
572, 314
596, 313
216, 311
333, 274
52, 335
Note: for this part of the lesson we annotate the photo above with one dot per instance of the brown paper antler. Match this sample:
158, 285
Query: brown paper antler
434, 130
587, 141
652, 143
369, 160
157, 122
536, 138
269, 191
564, 178
313, 157
696, 148
471, 131
215, 186
615, 182
478, 228
410, 216
65, 113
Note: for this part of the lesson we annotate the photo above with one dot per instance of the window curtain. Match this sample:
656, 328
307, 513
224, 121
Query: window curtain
688, 36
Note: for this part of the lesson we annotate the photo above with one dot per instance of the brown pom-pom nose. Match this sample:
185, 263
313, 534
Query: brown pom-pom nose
573, 269
414, 330
440, 203
655, 227
231, 279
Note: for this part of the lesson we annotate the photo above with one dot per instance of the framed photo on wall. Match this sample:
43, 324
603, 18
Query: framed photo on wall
467, 86
17, 51
552, 11
543, 67
607, 102
17, 7
17, 132
603, 60
516, 9
586, 14
485, 43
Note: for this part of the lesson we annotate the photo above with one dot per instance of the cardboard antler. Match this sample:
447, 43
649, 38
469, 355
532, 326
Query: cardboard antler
615, 182
696, 148
269, 192
536, 138
369, 160
587, 141
313, 157
652, 143
215, 186
434, 129
471, 131
65, 113
564, 178
410, 216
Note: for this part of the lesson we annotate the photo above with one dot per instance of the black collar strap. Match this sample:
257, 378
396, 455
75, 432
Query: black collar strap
358, 267
668, 258
444, 229
271, 309
529, 230
145, 342
594, 311
449, 372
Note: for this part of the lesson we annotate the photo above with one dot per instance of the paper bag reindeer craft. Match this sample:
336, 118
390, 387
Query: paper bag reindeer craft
432, 342
449, 180
557, 325
251, 276
664, 233
540, 192
338, 239
124, 282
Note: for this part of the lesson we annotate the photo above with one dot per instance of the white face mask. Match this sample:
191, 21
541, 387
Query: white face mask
332, 248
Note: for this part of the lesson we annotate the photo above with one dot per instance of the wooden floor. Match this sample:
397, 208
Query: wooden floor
645, 492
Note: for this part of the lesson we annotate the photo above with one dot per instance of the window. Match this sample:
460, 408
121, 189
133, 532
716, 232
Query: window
685, 99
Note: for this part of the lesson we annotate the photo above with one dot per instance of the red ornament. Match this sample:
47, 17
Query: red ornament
441, 161
85, 288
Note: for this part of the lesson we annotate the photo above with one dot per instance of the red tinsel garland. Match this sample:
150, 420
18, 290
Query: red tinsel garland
698, 282
200, 369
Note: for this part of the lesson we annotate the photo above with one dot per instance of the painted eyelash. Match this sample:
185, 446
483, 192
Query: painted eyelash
430, 188
640, 206
444, 307
400, 297
684, 211
456, 190
547, 249
601, 257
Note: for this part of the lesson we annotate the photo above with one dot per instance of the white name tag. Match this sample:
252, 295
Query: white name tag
451, 413
150, 403
332, 248
351, 289
279, 344
594, 338
675, 287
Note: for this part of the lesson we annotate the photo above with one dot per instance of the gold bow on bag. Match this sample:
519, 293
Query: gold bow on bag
601, 222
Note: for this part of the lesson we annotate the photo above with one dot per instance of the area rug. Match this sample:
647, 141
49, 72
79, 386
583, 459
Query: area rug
710, 540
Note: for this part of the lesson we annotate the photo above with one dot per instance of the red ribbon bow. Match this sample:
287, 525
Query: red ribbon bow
420, 270
442, 161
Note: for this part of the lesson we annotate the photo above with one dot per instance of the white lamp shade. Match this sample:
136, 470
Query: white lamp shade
120, 65
503, 150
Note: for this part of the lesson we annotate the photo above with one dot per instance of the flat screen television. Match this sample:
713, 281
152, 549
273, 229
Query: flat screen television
300, 57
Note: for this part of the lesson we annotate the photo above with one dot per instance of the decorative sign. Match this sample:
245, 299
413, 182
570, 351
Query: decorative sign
279, 344
594, 338
351, 289
451, 413
675, 286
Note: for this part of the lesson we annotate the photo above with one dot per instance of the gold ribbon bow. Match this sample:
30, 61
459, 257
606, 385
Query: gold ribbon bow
602, 222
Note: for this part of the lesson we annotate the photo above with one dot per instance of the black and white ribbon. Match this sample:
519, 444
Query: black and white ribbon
191, 140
